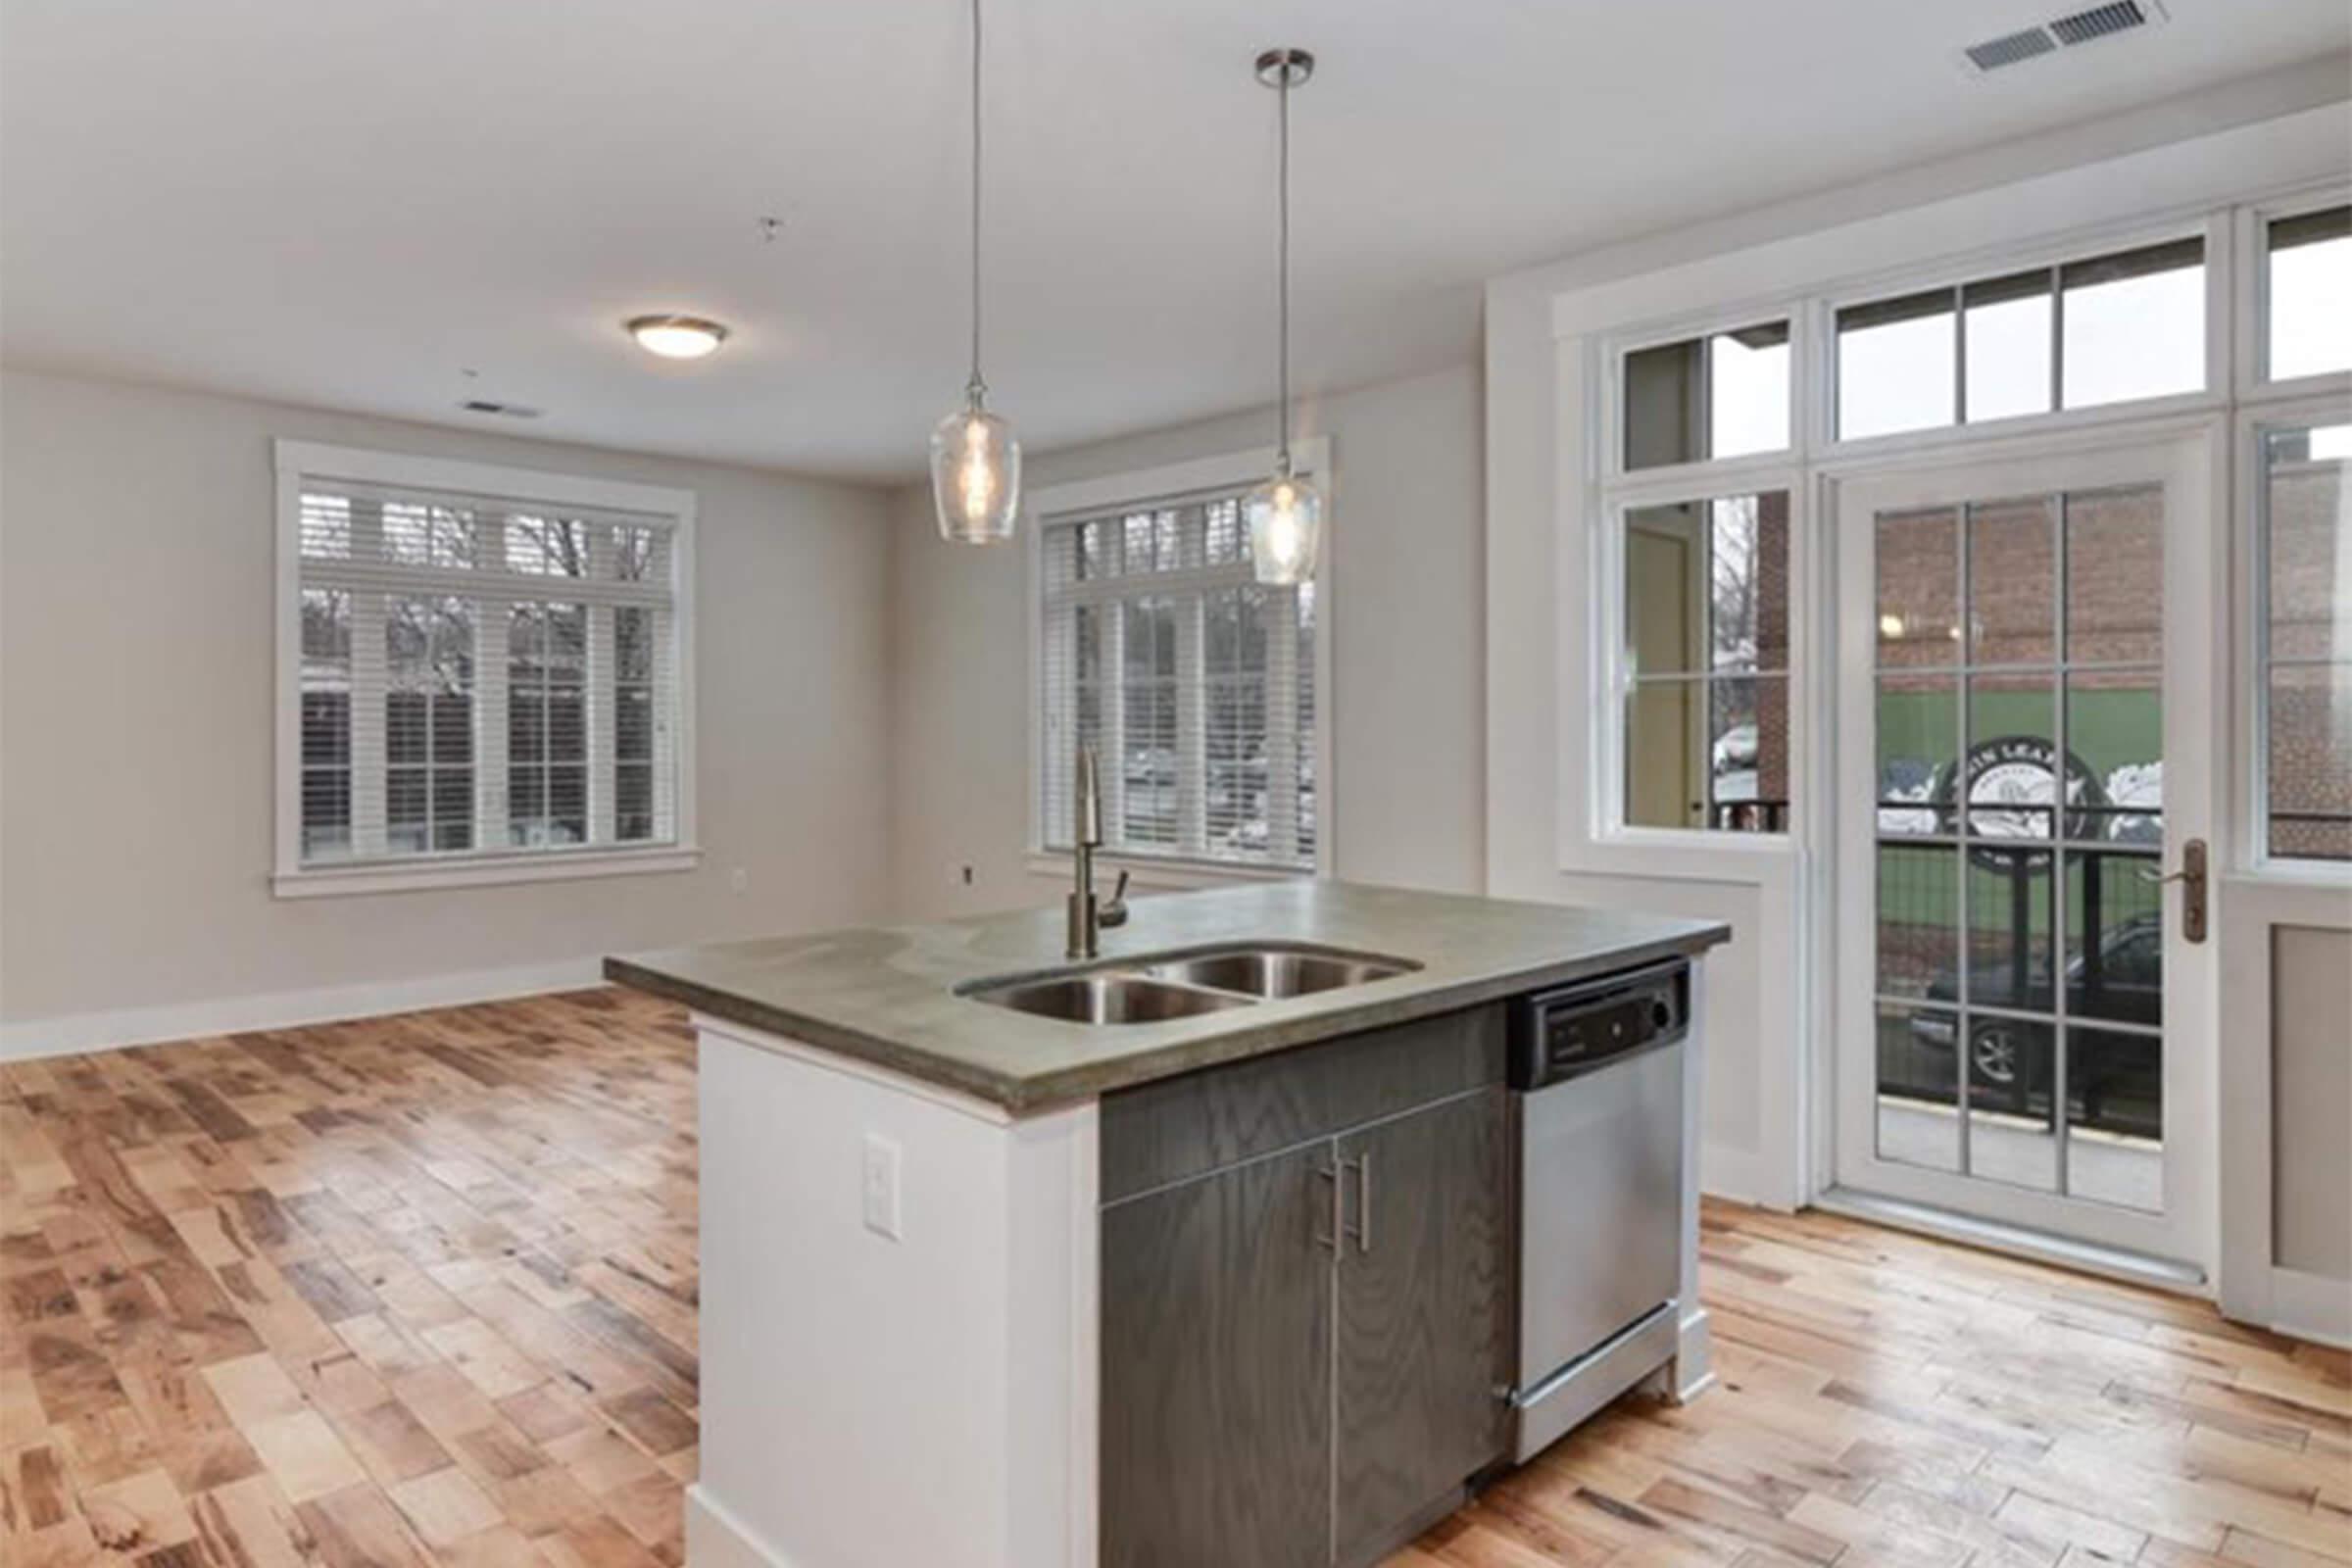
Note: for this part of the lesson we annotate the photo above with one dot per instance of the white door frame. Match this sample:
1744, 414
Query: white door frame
2190, 457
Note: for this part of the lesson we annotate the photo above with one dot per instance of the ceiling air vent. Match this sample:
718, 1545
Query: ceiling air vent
1995, 53
509, 411
2100, 22
2062, 32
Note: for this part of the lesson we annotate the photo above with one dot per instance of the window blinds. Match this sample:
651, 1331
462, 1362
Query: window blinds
482, 676
1195, 685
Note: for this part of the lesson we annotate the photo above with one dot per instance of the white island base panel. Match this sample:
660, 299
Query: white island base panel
875, 1401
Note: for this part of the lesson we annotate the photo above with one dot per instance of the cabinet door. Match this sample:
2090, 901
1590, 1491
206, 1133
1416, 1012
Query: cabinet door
1217, 1370
1424, 1306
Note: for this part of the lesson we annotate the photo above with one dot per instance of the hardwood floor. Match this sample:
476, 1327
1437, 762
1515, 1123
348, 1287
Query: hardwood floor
422, 1291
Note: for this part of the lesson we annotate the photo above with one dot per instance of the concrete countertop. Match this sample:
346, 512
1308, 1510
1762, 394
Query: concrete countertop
889, 994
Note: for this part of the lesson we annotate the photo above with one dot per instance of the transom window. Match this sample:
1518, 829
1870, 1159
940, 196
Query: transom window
478, 676
2306, 257
1195, 686
2105, 329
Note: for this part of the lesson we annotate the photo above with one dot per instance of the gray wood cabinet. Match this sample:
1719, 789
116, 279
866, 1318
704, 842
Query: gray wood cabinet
1301, 1345
1424, 1315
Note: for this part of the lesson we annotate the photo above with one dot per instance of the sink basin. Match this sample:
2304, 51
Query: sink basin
1106, 997
1148, 989
1275, 972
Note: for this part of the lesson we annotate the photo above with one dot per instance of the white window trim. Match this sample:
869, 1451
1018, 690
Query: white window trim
291, 878
1042, 507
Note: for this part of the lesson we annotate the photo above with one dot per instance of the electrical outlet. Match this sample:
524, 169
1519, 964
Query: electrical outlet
881, 1186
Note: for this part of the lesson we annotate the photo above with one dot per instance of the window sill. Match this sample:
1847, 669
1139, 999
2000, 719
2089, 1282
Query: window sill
1151, 871
382, 876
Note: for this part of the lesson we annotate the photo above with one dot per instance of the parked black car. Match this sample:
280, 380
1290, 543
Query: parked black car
2120, 981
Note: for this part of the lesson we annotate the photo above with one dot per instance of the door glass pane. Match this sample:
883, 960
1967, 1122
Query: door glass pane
2115, 936
2012, 1138
1919, 922
1918, 1087
2009, 929
2115, 734
2115, 1117
1919, 588
2114, 576
1918, 723
2310, 294
2134, 324
2009, 776
2012, 581
1897, 364
2008, 332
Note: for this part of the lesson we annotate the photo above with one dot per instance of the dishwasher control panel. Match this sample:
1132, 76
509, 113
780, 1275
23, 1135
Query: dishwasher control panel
1570, 1031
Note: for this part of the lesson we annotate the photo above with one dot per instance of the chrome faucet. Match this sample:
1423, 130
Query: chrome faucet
1088, 915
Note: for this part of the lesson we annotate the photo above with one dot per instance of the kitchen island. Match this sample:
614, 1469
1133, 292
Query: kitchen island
986, 1286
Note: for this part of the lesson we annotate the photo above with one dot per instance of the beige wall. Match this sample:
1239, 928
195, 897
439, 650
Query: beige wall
136, 550
2311, 1098
1407, 634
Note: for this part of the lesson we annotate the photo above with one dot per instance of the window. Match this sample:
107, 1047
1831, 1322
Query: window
1196, 686
2305, 639
2308, 259
1706, 660
487, 669
1724, 395
2108, 330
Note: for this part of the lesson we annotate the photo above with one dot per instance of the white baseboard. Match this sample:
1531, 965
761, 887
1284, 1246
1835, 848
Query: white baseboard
716, 1539
72, 1033
1733, 1174
2312, 1307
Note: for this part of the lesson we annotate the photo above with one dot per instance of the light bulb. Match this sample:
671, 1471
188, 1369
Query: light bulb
975, 477
1285, 517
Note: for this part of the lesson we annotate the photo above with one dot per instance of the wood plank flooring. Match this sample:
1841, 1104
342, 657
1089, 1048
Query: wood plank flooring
422, 1291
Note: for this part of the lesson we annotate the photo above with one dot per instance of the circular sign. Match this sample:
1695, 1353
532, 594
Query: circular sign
2009, 789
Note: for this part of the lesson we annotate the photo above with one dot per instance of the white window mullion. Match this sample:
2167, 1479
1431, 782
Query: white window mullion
1283, 752
370, 680
490, 620
1192, 726
603, 690
1112, 770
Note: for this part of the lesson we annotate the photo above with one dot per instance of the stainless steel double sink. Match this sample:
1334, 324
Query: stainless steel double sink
1154, 988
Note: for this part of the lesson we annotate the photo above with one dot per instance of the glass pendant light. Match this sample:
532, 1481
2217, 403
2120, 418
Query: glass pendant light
1285, 514
975, 460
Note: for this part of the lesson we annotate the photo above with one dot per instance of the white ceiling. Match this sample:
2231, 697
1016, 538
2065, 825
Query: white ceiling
349, 203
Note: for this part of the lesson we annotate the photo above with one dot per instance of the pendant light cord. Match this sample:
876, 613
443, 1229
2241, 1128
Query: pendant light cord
1283, 264
975, 388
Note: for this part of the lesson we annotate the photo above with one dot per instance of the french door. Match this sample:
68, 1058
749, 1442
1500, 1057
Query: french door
2025, 792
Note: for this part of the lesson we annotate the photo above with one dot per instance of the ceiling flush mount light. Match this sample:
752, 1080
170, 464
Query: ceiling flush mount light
975, 462
1286, 513
677, 337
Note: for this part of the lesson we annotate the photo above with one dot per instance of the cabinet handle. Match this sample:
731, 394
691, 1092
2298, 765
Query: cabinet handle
1362, 1230
1331, 1238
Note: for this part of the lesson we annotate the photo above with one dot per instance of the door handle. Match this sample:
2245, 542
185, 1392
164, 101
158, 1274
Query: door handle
2192, 879
1361, 1231
1331, 1238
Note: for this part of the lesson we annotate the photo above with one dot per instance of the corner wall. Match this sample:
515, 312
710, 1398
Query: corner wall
137, 549
1406, 601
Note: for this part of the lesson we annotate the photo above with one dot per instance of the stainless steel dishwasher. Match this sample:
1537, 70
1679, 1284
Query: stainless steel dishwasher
1596, 1080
